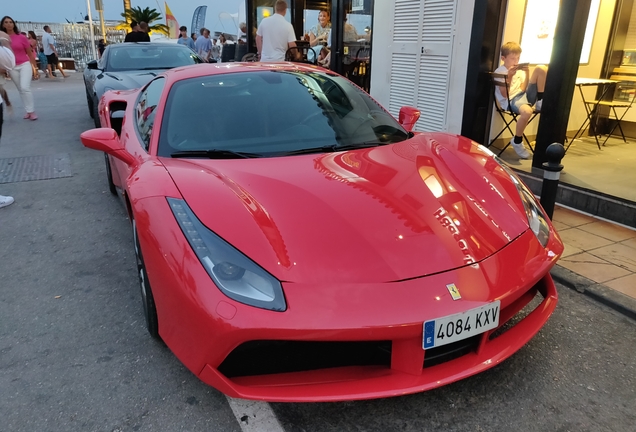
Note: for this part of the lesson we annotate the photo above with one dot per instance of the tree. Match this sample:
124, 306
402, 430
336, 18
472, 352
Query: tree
146, 15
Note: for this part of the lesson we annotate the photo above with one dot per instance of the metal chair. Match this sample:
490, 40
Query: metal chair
250, 57
301, 54
507, 116
626, 94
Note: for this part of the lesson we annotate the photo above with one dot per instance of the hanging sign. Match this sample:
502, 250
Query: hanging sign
357, 5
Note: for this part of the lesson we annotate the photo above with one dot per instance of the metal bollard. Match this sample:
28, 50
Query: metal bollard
551, 173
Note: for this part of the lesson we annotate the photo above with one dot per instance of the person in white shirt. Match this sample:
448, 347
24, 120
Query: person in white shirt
7, 63
48, 42
275, 35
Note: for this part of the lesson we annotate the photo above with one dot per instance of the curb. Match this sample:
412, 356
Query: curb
599, 292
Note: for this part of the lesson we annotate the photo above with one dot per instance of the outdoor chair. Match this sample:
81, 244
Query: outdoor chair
301, 54
508, 117
627, 92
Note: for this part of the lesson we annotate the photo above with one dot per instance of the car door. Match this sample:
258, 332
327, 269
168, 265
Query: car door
143, 113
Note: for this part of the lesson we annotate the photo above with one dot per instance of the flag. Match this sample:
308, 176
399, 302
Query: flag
171, 23
198, 19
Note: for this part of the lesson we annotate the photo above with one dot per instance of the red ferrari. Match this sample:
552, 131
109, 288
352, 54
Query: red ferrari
295, 242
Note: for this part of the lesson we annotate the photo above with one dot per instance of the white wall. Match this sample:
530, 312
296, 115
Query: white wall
383, 47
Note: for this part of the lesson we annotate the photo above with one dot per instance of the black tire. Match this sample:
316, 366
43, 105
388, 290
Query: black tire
109, 175
147, 299
98, 123
89, 102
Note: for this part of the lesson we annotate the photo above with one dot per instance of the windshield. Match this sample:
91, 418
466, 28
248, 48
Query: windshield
272, 113
127, 57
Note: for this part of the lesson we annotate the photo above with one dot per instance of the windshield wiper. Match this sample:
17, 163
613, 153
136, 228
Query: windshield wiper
335, 148
214, 154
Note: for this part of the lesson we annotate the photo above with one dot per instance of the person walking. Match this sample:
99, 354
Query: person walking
48, 41
22, 73
275, 35
33, 41
7, 63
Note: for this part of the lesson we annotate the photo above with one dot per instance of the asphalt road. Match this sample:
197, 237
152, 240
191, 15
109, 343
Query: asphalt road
75, 355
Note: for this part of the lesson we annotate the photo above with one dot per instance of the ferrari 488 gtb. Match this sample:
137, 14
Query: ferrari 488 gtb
295, 242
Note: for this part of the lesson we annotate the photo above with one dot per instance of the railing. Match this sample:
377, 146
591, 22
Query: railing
73, 40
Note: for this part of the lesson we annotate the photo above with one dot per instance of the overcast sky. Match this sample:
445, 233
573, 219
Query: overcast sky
58, 11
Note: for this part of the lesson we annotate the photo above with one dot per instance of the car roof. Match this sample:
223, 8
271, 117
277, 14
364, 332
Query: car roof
127, 44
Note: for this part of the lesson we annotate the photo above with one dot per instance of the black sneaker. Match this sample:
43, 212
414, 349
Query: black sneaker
53, 73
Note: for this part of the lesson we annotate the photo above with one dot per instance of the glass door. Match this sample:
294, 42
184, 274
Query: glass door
350, 42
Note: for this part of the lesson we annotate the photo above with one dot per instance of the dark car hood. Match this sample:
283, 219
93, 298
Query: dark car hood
126, 80
430, 204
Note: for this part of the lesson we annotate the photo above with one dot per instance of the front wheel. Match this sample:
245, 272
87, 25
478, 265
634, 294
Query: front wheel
148, 301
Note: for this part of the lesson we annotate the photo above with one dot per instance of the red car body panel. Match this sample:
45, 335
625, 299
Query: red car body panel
337, 192
364, 242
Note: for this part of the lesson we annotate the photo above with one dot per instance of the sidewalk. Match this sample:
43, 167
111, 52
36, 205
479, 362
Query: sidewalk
599, 259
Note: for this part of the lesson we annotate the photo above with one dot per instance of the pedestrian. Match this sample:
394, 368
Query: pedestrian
7, 63
48, 42
193, 35
145, 32
101, 47
22, 73
275, 35
184, 39
33, 41
203, 44
136, 35
216, 51
44, 63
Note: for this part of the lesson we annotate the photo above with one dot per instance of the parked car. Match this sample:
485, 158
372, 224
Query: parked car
295, 242
131, 65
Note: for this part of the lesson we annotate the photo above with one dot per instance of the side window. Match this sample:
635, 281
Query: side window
145, 109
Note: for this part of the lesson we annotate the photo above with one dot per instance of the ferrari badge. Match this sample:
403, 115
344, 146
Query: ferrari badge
454, 292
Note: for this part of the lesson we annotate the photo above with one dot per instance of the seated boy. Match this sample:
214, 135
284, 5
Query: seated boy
525, 94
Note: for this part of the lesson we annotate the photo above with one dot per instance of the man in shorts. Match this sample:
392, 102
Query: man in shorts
525, 93
48, 42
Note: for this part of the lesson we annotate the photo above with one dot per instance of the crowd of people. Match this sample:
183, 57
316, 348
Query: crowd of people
20, 53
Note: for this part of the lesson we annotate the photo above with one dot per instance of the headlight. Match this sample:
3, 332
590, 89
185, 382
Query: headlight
537, 219
237, 276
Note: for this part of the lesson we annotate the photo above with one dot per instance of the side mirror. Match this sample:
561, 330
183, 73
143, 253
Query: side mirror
408, 117
92, 64
107, 141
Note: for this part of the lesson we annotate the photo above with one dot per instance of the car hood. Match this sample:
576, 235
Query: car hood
430, 204
126, 80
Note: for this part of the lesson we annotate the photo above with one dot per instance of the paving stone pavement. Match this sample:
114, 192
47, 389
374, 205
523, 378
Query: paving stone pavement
599, 258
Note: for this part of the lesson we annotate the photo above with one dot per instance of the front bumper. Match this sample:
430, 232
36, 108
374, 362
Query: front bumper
203, 327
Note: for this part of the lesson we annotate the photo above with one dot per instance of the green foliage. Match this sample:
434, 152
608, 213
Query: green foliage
146, 15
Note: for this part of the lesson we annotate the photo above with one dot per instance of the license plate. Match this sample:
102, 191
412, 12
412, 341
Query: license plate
452, 328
